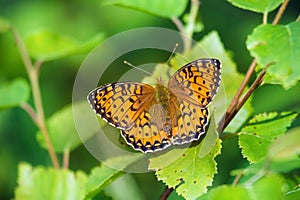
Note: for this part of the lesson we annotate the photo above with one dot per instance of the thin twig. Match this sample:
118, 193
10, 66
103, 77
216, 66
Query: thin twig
265, 18
245, 97
166, 193
178, 24
237, 96
237, 179
66, 158
190, 27
30, 111
33, 77
280, 12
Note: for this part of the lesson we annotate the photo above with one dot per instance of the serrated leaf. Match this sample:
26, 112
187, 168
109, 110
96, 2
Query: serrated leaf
280, 46
286, 146
256, 137
170, 8
4, 25
48, 183
62, 129
189, 174
47, 45
212, 46
257, 5
103, 175
14, 93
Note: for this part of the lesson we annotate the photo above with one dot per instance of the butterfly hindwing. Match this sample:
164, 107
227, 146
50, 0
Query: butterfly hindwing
191, 123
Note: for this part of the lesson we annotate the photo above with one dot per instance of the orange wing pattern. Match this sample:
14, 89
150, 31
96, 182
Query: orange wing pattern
152, 119
197, 82
120, 104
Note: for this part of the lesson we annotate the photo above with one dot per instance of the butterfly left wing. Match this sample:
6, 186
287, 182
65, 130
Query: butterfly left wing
197, 82
120, 104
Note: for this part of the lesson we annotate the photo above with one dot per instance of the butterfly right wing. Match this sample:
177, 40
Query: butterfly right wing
120, 104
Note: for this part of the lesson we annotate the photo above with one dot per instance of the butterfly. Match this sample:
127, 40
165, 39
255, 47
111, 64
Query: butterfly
153, 118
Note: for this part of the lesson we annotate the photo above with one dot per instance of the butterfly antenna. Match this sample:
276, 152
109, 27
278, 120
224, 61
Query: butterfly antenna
135, 67
173, 51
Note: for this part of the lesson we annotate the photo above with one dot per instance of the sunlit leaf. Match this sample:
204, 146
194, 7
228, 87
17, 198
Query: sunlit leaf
257, 5
166, 8
280, 46
62, 129
14, 93
48, 183
189, 174
256, 137
227, 193
286, 146
47, 45
103, 175
280, 166
269, 187
125, 187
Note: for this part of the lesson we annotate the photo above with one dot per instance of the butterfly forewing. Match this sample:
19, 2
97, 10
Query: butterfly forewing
197, 82
120, 104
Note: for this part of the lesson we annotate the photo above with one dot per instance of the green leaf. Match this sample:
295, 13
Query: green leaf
14, 93
227, 193
189, 174
210, 139
282, 166
292, 195
46, 45
124, 187
269, 187
212, 46
286, 146
62, 129
4, 25
103, 175
280, 46
165, 8
256, 137
48, 183
257, 5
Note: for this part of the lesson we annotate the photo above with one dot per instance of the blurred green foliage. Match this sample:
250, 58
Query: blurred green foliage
85, 23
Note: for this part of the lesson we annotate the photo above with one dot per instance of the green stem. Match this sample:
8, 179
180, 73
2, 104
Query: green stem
190, 27
33, 77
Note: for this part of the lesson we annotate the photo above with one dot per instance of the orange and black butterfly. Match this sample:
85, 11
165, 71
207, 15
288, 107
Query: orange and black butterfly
153, 118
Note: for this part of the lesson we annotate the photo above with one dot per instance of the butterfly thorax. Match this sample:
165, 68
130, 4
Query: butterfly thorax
162, 95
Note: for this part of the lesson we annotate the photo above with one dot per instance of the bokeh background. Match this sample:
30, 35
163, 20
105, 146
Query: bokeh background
84, 19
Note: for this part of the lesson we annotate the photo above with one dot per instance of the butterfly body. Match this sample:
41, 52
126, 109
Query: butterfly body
153, 118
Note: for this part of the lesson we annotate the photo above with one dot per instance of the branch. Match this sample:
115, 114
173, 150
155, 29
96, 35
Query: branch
30, 111
66, 158
166, 193
280, 12
236, 97
33, 77
246, 96
190, 27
